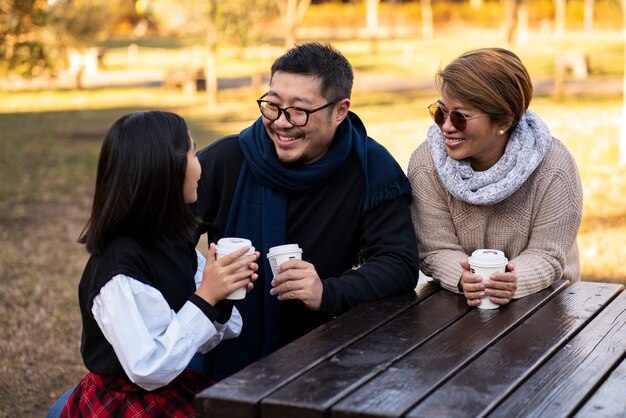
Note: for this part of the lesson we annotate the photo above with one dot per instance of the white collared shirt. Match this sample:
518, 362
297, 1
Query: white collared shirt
153, 343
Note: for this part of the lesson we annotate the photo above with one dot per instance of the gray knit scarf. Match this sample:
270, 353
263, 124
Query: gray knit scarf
527, 145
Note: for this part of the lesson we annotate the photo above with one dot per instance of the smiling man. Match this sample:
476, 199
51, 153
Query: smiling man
305, 172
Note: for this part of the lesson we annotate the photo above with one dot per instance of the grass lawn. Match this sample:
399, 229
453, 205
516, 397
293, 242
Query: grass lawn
49, 144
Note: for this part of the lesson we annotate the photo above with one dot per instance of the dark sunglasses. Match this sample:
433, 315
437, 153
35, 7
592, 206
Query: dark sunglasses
458, 119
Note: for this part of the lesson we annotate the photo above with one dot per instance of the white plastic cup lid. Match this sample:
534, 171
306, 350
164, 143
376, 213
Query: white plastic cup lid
488, 258
230, 244
282, 249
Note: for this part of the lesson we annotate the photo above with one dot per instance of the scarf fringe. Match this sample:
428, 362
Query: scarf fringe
397, 187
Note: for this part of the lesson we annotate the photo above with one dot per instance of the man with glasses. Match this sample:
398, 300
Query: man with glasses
305, 172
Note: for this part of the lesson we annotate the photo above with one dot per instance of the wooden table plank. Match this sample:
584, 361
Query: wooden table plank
394, 391
312, 394
492, 376
610, 399
240, 394
560, 386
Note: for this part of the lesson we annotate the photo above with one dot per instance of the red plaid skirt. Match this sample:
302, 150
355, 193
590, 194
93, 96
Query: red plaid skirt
115, 396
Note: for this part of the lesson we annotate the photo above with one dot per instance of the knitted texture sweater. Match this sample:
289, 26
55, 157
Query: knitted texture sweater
536, 226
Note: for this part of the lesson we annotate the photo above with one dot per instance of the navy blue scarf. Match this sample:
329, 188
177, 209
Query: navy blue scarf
259, 211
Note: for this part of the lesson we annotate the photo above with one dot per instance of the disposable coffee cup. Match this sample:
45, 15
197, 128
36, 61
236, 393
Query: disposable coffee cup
484, 262
278, 255
229, 245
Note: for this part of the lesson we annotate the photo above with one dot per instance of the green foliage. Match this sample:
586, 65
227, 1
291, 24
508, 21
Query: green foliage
22, 31
239, 22
36, 35
79, 24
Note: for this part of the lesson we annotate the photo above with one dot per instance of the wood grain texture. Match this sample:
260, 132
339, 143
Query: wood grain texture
409, 380
476, 389
609, 400
239, 395
312, 393
560, 386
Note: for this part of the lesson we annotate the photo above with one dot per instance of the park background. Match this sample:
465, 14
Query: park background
69, 69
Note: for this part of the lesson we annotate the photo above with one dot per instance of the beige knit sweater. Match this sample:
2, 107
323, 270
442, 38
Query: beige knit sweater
536, 226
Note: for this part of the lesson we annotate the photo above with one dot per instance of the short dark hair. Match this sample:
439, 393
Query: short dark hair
139, 183
322, 61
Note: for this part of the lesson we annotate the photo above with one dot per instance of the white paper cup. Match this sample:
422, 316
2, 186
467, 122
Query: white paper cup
278, 255
229, 245
484, 262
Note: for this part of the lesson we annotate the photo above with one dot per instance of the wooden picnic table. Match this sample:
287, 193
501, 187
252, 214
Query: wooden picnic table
560, 352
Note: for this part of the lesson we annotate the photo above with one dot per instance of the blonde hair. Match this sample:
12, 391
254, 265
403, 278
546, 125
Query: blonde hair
493, 80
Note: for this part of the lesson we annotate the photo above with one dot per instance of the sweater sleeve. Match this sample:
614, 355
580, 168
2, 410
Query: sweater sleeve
439, 247
559, 203
390, 260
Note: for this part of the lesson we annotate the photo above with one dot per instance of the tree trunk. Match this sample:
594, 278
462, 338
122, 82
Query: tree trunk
510, 20
522, 24
588, 15
292, 12
392, 18
371, 17
78, 79
622, 137
427, 19
210, 69
559, 18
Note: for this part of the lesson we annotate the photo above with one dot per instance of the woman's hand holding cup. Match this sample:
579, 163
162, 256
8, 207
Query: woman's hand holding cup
499, 287
472, 285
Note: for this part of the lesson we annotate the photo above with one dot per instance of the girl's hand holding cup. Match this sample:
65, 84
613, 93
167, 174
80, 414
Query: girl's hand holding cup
223, 276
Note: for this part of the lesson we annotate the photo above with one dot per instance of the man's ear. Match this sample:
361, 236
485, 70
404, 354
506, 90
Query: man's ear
342, 110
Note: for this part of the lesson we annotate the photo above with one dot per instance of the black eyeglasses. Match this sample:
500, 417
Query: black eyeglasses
458, 119
297, 116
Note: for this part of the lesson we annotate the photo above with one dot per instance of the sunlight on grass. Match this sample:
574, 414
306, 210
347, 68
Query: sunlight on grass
51, 155
51, 138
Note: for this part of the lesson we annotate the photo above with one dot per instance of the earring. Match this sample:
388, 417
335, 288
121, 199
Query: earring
501, 132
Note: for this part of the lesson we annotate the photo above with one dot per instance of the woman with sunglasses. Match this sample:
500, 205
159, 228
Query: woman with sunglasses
490, 175
149, 301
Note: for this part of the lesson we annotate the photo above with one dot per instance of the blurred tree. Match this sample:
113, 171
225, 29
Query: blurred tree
588, 15
77, 25
239, 23
23, 36
559, 18
427, 19
38, 35
371, 19
511, 8
210, 67
622, 137
292, 12
393, 23
243, 23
